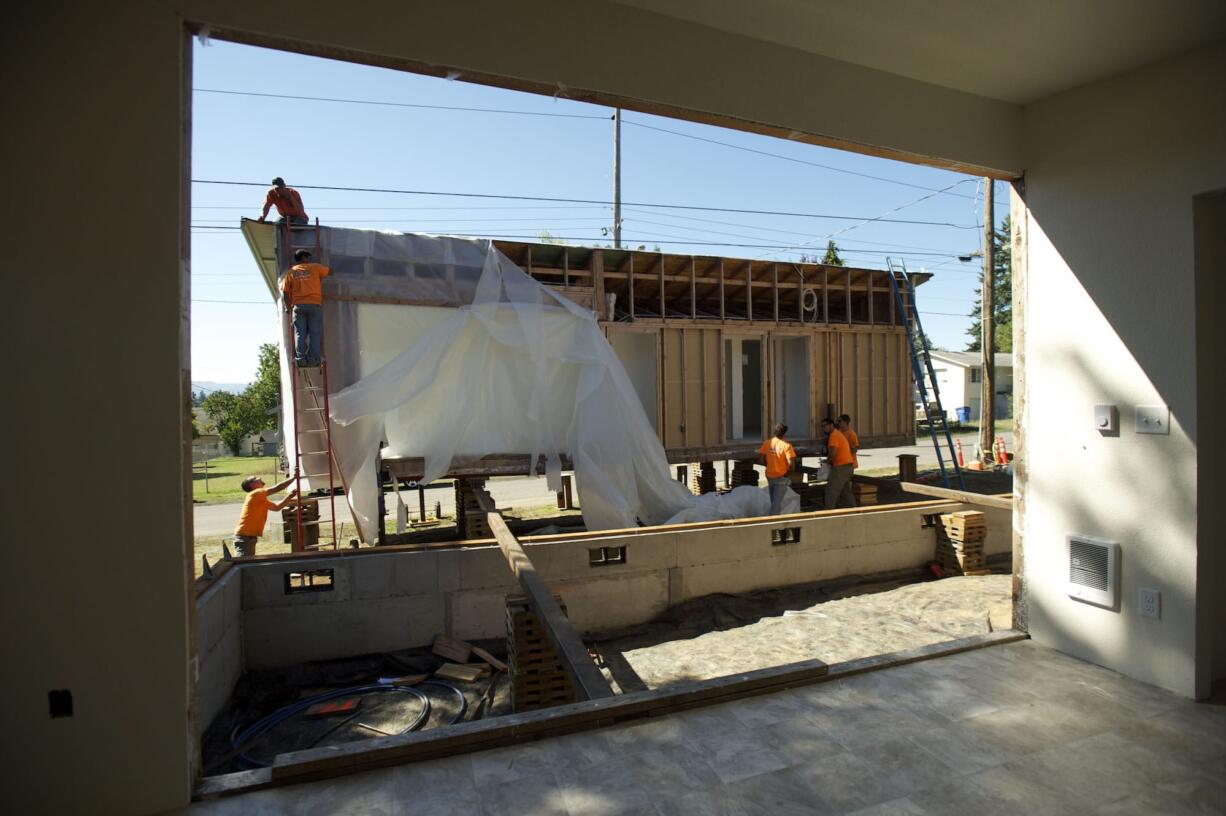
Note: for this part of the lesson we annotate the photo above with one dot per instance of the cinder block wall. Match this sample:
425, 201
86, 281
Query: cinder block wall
392, 600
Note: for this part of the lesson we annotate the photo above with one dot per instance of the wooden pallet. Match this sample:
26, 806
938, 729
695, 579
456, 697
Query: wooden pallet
966, 526
957, 558
537, 677
866, 494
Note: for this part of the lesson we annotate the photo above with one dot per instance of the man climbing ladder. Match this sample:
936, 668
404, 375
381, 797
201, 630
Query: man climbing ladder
303, 290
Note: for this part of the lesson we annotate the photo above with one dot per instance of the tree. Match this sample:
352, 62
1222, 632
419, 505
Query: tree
265, 390
237, 416
546, 237
831, 258
1002, 296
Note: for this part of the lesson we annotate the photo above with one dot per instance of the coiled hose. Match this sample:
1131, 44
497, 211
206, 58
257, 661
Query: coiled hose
266, 724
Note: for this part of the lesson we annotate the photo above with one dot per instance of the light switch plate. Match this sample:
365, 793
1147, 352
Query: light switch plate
1153, 419
1106, 419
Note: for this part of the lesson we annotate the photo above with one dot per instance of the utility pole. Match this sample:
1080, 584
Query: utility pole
987, 412
617, 178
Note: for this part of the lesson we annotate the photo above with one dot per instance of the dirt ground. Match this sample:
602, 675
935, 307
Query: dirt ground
723, 634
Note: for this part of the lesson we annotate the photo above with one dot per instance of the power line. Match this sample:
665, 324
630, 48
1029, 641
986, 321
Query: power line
862, 219
792, 158
382, 103
644, 125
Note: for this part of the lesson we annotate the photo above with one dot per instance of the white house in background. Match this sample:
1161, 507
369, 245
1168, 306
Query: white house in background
960, 376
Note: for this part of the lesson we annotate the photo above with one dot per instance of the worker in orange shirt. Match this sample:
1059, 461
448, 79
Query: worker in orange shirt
853, 439
838, 453
780, 459
254, 515
303, 288
287, 201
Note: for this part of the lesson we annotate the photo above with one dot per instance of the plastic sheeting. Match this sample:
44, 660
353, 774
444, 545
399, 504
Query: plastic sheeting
521, 369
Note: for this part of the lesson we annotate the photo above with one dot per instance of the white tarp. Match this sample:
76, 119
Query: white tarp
519, 370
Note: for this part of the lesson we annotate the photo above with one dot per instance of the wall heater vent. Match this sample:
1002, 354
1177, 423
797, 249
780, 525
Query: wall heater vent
1093, 570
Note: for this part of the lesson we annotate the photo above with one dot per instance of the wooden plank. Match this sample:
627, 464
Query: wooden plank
749, 290
963, 496
775, 289
826, 295
663, 305
453, 649
693, 291
464, 672
630, 260
330, 761
489, 658
600, 306
721, 289
589, 683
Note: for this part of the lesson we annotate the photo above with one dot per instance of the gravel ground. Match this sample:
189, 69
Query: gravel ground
736, 637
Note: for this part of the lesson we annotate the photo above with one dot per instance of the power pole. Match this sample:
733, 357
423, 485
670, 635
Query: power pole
617, 178
987, 412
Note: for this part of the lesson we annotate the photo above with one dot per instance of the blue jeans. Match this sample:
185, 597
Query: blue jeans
309, 331
778, 488
296, 220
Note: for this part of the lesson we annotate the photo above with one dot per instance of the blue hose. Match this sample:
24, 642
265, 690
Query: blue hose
279, 716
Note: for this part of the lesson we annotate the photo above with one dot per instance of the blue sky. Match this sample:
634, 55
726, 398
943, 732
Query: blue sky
251, 139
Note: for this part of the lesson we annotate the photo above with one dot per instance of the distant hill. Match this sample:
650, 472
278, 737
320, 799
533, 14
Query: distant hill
208, 386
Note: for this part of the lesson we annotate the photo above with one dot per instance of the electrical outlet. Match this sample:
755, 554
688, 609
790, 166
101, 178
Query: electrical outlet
1149, 603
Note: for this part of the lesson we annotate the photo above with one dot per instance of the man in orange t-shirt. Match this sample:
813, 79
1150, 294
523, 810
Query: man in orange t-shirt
287, 201
838, 452
780, 459
303, 288
254, 515
853, 439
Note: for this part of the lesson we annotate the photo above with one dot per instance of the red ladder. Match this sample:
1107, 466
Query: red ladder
314, 419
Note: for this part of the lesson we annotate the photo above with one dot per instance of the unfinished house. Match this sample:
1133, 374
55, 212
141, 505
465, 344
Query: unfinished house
716, 350
1107, 120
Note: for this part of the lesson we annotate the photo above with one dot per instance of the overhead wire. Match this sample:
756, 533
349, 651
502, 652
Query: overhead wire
832, 217
625, 121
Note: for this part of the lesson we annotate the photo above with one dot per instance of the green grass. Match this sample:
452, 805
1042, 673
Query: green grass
224, 475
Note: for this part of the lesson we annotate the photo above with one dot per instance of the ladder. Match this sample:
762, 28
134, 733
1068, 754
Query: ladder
313, 456
921, 366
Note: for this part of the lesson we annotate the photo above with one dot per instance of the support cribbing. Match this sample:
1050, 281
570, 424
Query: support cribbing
921, 365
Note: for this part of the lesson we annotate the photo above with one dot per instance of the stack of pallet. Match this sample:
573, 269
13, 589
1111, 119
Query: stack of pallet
866, 494
744, 473
469, 517
537, 677
702, 477
960, 542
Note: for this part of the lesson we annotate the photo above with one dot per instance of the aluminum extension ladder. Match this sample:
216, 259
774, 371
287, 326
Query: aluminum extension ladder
921, 366
312, 417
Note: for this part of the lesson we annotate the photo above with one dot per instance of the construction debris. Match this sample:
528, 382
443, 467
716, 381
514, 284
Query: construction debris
449, 648
463, 672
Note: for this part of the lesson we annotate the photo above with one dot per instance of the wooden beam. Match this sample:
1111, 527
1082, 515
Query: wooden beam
870, 298
693, 291
721, 290
587, 680
601, 302
630, 260
826, 295
749, 290
663, 305
775, 289
963, 496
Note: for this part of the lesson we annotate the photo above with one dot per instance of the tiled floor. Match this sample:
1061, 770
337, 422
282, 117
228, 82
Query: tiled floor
1002, 730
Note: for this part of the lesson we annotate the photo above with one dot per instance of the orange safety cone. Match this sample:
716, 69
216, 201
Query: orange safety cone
1001, 458
961, 462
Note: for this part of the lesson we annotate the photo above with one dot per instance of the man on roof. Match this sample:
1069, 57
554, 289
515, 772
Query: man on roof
287, 201
303, 288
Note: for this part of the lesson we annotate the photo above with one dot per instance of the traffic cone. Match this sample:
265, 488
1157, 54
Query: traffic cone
961, 462
1001, 458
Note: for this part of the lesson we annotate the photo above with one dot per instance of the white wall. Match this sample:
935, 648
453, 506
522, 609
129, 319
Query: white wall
637, 352
793, 389
1111, 172
392, 599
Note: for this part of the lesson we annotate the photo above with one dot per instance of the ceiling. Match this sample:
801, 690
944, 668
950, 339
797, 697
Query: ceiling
1017, 51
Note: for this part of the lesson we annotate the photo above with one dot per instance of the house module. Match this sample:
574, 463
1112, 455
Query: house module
467, 359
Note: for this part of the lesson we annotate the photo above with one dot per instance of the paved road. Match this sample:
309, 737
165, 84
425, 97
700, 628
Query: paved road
212, 520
